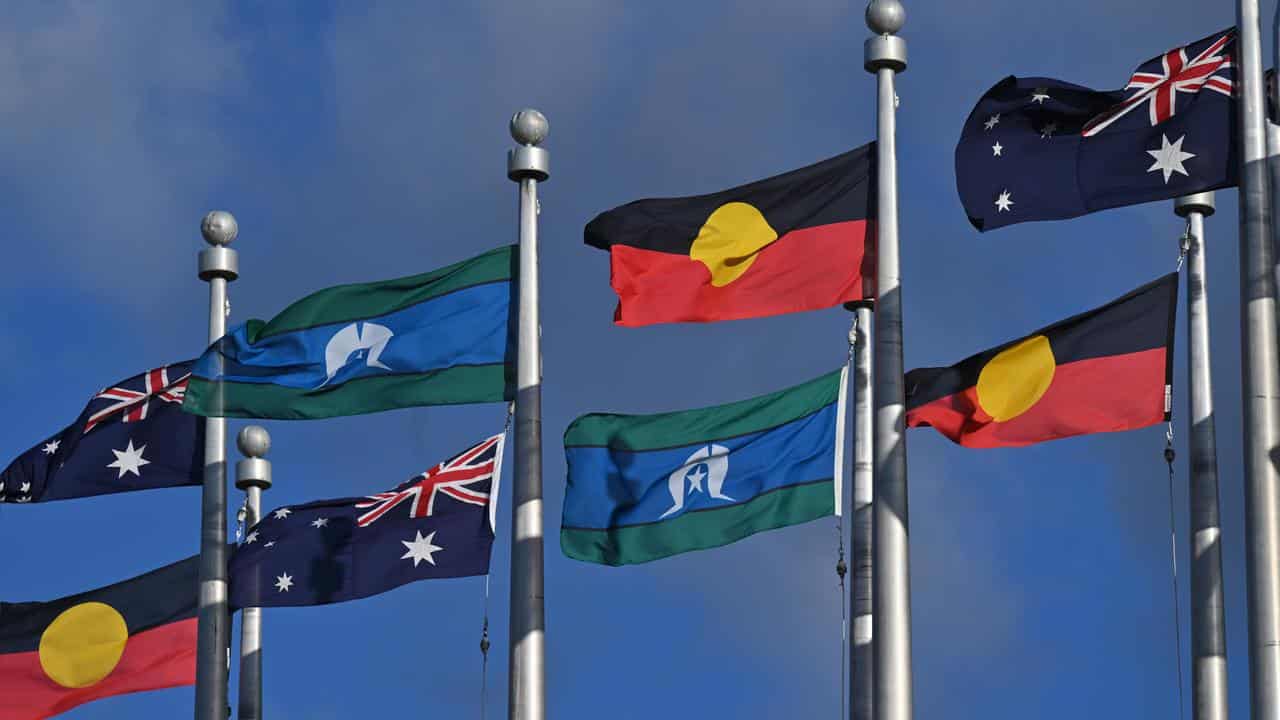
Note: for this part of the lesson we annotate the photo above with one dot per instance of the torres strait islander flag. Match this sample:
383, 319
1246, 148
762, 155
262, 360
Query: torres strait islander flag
136, 635
439, 338
643, 487
799, 241
1104, 370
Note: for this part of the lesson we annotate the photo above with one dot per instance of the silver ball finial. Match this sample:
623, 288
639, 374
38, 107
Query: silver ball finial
254, 441
885, 17
219, 228
529, 127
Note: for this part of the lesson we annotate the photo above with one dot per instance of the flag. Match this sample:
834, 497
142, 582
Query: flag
1104, 370
437, 525
643, 487
439, 338
136, 635
799, 241
130, 436
1042, 149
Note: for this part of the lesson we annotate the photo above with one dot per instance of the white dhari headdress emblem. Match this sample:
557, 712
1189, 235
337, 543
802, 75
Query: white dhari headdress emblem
354, 338
710, 463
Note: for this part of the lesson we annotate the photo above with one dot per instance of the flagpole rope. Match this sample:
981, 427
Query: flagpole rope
842, 568
484, 651
484, 630
241, 514
1169, 456
1184, 246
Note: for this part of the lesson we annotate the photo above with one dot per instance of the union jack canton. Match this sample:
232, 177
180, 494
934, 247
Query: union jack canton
1045, 149
466, 478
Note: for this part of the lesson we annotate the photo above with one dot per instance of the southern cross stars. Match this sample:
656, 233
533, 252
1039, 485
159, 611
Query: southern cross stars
282, 513
129, 460
284, 582
420, 548
51, 447
997, 149
1003, 203
251, 538
1169, 158
1048, 130
992, 121
319, 522
1039, 95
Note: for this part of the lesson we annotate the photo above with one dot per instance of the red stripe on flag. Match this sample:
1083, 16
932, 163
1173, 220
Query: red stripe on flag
807, 269
161, 657
1106, 394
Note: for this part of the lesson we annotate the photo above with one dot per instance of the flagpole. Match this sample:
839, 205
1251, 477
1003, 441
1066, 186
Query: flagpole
885, 56
218, 266
862, 658
1261, 378
1208, 623
528, 164
253, 475
1273, 141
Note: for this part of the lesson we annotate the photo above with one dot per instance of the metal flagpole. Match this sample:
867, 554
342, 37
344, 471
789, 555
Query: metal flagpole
1273, 141
862, 658
1208, 623
528, 164
253, 475
1261, 378
886, 55
218, 266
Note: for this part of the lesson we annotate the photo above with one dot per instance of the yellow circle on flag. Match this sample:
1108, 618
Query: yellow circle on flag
83, 644
1016, 378
730, 240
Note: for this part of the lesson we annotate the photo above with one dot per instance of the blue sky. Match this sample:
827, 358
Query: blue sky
356, 143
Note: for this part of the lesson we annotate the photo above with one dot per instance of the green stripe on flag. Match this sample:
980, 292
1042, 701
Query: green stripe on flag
360, 301
700, 529
458, 384
689, 427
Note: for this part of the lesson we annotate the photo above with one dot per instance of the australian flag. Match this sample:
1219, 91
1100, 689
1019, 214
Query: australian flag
131, 436
1041, 149
437, 525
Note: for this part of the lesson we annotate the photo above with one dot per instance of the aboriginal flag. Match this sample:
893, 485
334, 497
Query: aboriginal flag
136, 635
799, 241
1104, 370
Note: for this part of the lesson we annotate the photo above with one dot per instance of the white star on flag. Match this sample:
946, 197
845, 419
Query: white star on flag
1039, 95
997, 149
1003, 203
282, 513
24, 487
51, 447
1048, 130
420, 548
251, 538
993, 121
273, 542
129, 460
1169, 158
284, 582
319, 522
